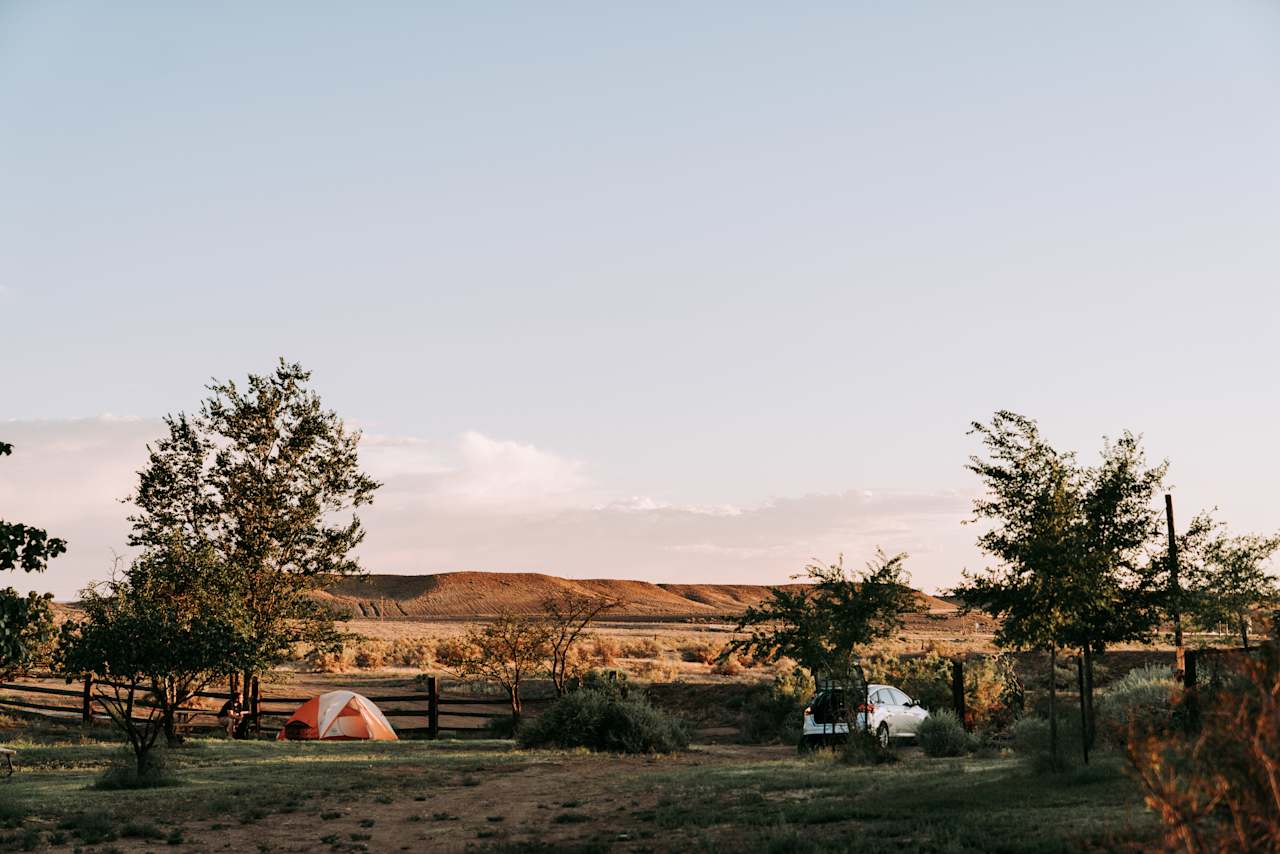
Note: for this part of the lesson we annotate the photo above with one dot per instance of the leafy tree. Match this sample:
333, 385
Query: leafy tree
151, 645
1033, 508
509, 650
26, 621
568, 614
1234, 582
1071, 542
828, 624
262, 477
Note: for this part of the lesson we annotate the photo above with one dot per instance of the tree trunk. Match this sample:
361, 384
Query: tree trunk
1053, 707
1244, 631
517, 706
1091, 726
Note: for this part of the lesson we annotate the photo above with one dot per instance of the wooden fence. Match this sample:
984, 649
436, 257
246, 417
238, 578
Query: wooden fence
423, 714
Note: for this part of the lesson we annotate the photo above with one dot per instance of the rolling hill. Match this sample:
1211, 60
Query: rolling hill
458, 595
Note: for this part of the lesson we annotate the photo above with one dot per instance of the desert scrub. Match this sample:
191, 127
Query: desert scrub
1031, 741
942, 734
1143, 699
643, 648
773, 712
700, 652
603, 722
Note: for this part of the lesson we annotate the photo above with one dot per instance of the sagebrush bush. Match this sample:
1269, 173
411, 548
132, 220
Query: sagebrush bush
773, 712
1143, 698
411, 652
371, 655
942, 734
700, 652
643, 648
604, 650
653, 671
603, 722
727, 667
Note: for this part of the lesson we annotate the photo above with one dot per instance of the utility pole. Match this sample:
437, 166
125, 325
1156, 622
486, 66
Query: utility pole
1175, 588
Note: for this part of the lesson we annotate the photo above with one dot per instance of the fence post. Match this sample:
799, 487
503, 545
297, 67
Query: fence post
86, 710
255, 704
1190, 701
957, 689
433, 707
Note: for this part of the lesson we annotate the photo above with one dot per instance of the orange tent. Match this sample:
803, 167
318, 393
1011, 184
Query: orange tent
338, 715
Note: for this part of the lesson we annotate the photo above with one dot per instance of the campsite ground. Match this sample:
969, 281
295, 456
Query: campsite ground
487, 795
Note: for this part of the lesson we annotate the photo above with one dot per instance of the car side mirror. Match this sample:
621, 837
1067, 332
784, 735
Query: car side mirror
909, 703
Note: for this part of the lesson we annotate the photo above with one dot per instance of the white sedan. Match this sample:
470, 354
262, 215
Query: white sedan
892, 714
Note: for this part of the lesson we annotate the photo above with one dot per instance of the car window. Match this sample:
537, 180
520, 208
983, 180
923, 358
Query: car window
878, 698
899, 698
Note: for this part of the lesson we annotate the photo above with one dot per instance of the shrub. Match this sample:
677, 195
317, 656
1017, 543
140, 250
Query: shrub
654, 671
371, 655
330, 662
942, 734
1031, 741
604, 650
125, 774
410, 652
772, 712
727, 667
451, 651
864, 748
599, 721
1142, 698
644, 648
611, 682
700, 652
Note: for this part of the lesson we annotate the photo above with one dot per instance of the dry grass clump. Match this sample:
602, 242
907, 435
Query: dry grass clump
700, 652
643, 648
411, 652
605, 650
653, 671
730, 666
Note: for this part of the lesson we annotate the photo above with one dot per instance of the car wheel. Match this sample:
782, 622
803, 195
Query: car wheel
882, 735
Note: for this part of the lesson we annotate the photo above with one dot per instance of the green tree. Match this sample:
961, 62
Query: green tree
264, 477
567, 614
152, 639
1234, 582
26, 621
509, 650
828, 624
1072, 547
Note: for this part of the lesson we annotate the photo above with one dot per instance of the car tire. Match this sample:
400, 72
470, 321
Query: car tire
882, 735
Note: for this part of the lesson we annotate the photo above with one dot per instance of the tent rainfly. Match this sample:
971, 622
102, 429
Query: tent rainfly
340, 715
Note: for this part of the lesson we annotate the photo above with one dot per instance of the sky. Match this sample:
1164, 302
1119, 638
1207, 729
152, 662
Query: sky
681, 292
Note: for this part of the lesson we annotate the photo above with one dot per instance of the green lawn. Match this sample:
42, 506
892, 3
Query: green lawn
456, 795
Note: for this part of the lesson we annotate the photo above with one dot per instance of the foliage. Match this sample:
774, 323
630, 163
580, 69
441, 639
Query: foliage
568, 614
942, 734
604, 722
1032, 739
864, 748
26, 622
827, 624
26, 630
1142, 699
1216, 789
926, 678
1070, 544
1234, 582
261, 477
611, 682
151, 643
773, 712
508, 650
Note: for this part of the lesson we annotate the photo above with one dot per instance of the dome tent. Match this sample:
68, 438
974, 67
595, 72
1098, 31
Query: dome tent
338, 715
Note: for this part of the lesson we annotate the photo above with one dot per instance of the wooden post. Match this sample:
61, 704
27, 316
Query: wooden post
86, 710
1084, 713
433, 707
1174, 585
1191, 702
957, 690
255, 705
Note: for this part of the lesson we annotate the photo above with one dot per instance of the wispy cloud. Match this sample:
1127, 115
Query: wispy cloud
478, 502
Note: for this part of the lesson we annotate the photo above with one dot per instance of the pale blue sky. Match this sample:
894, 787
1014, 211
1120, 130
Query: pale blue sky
702, 255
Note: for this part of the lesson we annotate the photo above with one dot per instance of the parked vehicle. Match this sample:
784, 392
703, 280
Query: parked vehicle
889, 713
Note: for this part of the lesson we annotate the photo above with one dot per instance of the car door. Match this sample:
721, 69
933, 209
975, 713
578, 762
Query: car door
907, 716
881, 705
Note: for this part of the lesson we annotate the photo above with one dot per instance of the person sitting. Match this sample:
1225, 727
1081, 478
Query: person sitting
230, 717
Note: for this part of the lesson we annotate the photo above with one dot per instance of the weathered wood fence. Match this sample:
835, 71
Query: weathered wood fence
420, 714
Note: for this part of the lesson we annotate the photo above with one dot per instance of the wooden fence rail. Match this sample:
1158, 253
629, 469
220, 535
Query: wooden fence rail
428, 705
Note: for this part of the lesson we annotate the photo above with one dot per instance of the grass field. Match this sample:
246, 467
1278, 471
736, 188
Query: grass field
487, 795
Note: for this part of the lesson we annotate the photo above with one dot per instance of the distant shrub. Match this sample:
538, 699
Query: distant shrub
410, 652
643, 648
942, 734
604, 650
653, 671
610, 682
371, 655
450, 652
1144, 698
772, 713
599, 721
726, 667
699, 652
330, 662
